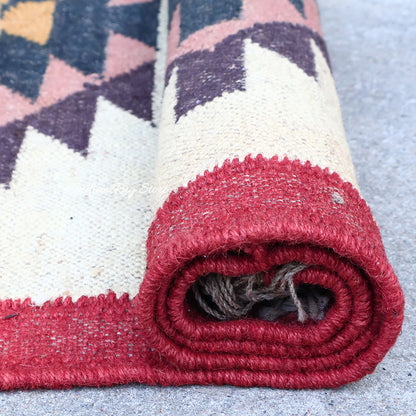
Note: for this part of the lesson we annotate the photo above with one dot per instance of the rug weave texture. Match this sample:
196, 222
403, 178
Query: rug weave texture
146, 144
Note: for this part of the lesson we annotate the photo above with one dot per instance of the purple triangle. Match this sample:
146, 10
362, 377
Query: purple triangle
11, 137
69, 120
132, 91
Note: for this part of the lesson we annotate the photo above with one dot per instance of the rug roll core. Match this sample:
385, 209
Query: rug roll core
252, 143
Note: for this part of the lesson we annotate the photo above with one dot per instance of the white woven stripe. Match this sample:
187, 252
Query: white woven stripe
160, 65
73, 225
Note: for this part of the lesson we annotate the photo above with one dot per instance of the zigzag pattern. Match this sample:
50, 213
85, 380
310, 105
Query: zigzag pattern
97, 48
73, 31
204, 75
202, 33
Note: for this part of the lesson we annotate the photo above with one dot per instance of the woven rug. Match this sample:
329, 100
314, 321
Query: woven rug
178, 202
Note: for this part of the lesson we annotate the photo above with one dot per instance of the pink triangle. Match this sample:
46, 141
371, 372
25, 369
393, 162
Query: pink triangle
126, 2
59, 81
282, 11
174, 35
125, 54
13, 105
254, 11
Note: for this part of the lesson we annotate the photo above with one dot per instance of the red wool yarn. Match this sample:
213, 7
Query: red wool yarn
241, 218
284, 212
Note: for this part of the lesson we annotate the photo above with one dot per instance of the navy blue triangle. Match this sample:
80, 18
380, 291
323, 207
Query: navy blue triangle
137, 21
196, 14
79, 34
300, 6
22, 64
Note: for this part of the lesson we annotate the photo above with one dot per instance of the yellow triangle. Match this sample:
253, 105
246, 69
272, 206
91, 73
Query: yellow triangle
30, 20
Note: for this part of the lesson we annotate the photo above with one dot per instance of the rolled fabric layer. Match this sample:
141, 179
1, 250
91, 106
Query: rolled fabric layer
253, 175
250, 107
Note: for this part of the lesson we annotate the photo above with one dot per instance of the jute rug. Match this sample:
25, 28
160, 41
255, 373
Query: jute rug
178, 202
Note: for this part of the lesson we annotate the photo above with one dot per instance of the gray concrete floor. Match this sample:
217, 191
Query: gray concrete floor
373, 53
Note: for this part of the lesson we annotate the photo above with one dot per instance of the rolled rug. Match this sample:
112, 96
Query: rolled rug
263, 265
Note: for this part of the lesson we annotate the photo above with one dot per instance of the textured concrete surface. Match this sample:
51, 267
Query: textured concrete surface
372, 48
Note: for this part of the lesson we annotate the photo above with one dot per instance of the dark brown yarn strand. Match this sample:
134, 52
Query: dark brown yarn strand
228, 298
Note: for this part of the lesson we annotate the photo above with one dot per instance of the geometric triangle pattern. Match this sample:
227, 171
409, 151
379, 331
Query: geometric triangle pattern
22, 64
76, 38
71, 119
204, 75
124, 92
74, 31
136, 21
58, 57
81, 208
196, 14
109, 218
300, 6
30, 20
